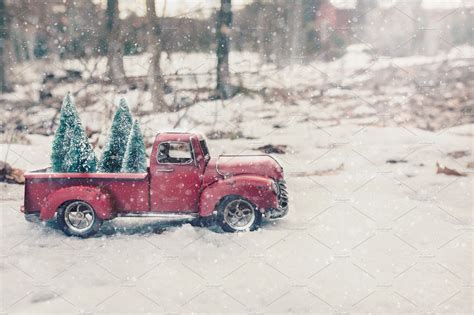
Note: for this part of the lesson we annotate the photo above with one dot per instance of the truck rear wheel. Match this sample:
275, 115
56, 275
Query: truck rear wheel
78, 218
236, 214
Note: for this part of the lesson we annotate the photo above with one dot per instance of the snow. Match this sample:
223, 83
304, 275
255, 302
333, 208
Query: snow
370, 237
362, 235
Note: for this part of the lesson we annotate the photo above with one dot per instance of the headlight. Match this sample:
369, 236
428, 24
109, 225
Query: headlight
275, 188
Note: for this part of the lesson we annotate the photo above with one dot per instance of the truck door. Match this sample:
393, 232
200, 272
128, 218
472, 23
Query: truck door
176, 178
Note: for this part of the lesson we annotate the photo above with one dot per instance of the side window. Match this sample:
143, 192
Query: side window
174, 152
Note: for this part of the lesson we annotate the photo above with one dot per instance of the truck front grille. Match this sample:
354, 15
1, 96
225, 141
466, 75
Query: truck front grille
282, 196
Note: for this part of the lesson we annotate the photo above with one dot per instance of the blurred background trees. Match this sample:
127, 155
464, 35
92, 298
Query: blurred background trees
115, 47
4, 32
156, 83
223, 29
282, 32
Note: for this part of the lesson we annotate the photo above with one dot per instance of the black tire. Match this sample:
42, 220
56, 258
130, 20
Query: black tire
78, 228
247, 212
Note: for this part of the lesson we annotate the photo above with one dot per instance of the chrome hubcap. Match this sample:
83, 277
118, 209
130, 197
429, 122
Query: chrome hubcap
79, 216
239, 214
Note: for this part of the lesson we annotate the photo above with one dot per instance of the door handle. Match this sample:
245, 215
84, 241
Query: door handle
165, 169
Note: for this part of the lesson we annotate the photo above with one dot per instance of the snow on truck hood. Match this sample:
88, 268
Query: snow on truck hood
230, 165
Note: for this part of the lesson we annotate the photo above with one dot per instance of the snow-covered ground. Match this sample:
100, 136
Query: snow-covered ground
372, 227
367, 236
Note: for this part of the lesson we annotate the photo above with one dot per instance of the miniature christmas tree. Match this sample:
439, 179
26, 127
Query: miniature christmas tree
134, 160
62, 136
80, 157
112, 157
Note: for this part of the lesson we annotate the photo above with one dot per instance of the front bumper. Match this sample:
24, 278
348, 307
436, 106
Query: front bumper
282, 209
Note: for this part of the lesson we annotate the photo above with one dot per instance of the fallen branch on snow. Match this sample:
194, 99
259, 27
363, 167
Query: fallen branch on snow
447, 171
9, 174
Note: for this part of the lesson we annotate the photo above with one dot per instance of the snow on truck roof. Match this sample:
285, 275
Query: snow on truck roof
182, 134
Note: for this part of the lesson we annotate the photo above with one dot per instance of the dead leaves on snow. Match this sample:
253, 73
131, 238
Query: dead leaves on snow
459, 154
271, 148
9, 174
329, 171
440, 169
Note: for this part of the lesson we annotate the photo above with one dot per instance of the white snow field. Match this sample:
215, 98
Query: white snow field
368, 236
362, 234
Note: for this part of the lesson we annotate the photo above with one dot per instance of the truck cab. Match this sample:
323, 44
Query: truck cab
182, 182
177, 166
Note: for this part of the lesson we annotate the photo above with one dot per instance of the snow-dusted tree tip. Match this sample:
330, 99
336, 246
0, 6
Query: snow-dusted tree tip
71, 151
80, 157
135, 160
114, 151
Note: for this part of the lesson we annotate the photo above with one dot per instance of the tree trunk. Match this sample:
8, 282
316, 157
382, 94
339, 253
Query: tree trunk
4, 84
362, 20
155, 78
261, 32
115, 69
280, 39
224, 24
296, 31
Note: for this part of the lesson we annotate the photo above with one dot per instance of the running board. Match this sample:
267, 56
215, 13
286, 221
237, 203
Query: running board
167, 216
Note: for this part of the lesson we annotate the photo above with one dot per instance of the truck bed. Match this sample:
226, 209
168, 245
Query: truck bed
130, 191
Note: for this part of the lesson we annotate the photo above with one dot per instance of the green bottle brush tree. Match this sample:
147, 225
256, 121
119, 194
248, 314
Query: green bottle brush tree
72, 152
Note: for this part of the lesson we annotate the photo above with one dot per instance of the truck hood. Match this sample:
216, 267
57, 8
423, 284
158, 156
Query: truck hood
261, 165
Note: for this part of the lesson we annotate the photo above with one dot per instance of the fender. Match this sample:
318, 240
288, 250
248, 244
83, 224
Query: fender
97, 198
257, 189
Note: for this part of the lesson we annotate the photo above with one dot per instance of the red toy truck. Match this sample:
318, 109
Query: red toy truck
181, 182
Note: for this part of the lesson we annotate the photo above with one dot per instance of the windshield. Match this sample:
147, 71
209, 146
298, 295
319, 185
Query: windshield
204, 149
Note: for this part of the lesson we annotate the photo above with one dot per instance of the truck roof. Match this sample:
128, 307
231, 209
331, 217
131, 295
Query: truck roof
178, 135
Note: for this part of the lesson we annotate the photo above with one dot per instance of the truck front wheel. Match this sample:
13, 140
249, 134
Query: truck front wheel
78, 218
236, 214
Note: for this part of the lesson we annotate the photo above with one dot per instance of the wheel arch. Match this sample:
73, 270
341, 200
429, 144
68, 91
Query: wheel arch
256, 189
96, 197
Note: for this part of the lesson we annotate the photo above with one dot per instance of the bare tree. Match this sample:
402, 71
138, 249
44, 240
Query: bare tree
224, 24
280, 34
115, 69
4, 19
260, 29
296, 31
362, 17
155, 78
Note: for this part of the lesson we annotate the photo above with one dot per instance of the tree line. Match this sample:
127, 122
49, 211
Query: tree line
280, 31
72, 29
